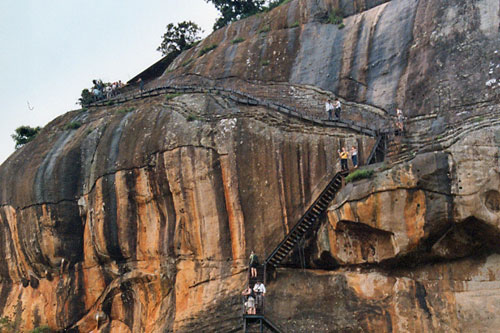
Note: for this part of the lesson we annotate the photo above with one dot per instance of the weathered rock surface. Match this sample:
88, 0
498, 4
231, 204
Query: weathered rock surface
142, 219
148, 217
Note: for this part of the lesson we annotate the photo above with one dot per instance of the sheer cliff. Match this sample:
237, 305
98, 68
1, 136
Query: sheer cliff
142, 217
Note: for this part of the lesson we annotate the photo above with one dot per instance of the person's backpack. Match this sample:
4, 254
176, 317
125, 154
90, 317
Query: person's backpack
254, 259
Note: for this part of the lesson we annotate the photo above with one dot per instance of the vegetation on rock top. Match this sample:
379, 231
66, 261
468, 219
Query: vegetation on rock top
25, 134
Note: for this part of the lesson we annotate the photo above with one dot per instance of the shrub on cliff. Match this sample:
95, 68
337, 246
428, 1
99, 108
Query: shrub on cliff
358, 174
86, 97
336, 17
25, 134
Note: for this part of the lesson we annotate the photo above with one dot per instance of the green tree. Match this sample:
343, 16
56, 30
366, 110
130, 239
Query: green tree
179, 37
25, 134
234, 10
86, 97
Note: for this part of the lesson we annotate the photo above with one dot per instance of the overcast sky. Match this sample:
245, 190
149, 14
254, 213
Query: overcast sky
51, 50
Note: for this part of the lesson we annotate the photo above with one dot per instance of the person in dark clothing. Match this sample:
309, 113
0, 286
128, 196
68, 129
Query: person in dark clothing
141, 84
254, 263
338, 108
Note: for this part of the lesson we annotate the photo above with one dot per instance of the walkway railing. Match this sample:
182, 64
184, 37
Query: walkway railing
238, 97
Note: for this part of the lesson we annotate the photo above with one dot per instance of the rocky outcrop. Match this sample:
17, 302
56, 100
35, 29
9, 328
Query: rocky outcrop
424, 56
412, 223
139, 216
149, 210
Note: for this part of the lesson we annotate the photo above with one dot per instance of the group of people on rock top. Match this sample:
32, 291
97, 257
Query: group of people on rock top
254, 297
102, 90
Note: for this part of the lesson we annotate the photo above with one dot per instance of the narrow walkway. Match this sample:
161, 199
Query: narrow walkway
238, 97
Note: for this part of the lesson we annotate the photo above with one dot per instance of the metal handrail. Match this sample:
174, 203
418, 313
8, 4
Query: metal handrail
250, 100
337, 176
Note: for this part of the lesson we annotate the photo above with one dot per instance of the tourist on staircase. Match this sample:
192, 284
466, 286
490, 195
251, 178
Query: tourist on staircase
250, 301
400, 122
354, 157
260, 292
338, 109
344, 155
329, 108
254, 263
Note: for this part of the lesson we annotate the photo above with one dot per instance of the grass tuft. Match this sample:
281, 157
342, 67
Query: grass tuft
127, 110
73, 125
359, 174
264, 29
187, 62
238, 40
336, 16
192, 117
168, 97
208, 49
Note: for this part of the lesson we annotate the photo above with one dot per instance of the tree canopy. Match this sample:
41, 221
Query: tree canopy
179, 37
86, 97
234, 10
25, 134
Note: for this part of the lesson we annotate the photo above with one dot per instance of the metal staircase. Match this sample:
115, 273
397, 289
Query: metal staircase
306, 222
319, 207
257, 323
379, 149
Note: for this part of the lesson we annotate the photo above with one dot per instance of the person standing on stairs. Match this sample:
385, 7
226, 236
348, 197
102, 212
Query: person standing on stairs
354, 157
344, 155
141, 84
254, 263
250, 300
400, 121
329, 108
338, 108
260, 292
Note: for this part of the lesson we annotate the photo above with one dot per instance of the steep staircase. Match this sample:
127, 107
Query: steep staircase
310, 219
319, 207
379, 151
306, 222
259, 323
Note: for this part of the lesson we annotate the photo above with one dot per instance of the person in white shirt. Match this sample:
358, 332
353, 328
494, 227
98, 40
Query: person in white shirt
329, 108
400, 121
260, 292
354, 157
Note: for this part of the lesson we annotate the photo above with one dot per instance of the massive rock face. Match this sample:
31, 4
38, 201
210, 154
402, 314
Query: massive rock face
142, 219
147, 217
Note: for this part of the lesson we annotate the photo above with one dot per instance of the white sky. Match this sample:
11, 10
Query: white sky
52, 49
